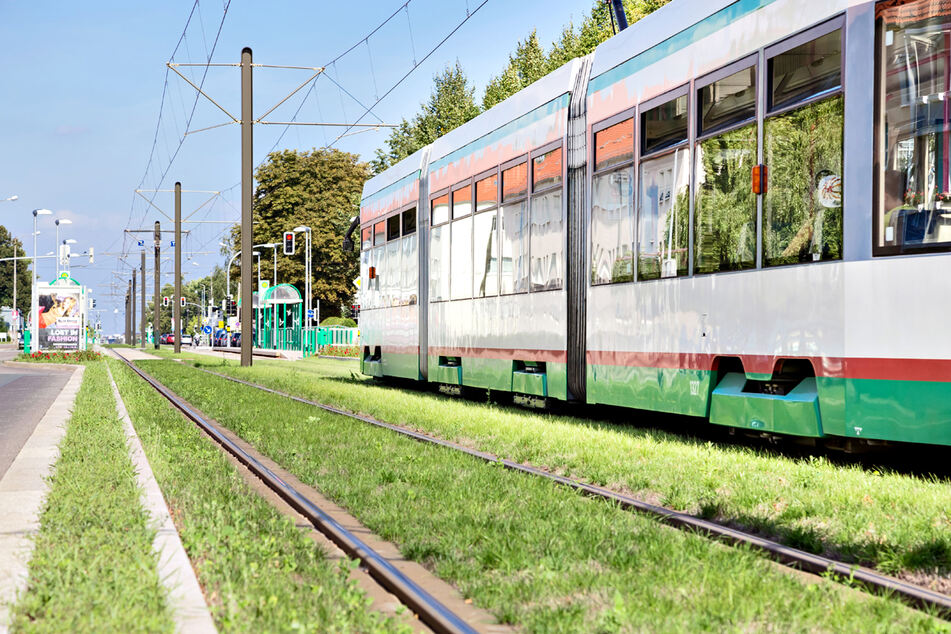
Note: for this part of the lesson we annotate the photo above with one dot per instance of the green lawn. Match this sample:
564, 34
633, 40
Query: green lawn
537, 555
259, 572
894, 522
93, 568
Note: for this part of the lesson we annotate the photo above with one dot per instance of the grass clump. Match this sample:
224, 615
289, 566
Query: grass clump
93, 568
894, 522
537, 555
259, 572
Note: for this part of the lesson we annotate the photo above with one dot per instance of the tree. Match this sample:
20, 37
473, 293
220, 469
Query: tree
526, 65
320, 189
12, 247
451, 104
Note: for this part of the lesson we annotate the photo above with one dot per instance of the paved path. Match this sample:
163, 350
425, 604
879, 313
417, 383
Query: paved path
26, 393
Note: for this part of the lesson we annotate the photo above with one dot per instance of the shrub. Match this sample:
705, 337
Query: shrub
79, 356
339, 321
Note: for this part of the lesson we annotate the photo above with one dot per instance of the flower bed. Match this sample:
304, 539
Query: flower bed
79, 356
339, 351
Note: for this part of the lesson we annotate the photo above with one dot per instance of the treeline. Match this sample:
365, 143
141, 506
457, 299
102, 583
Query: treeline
453, 102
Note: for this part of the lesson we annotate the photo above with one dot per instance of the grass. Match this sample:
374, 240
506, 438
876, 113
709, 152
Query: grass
897, 523
93, 568
259, 572
537, 555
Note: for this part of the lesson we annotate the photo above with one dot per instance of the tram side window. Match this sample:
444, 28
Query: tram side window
547, 223
393, 227
485, 234
409, 270
514, 236
914, 191
409, 221
439, 250
612, 205
460, 285
393, 274
379, 233
663, 205
364, 278
802, 147
367, 240
724, 203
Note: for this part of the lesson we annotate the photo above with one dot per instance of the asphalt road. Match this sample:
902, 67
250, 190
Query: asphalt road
25, 395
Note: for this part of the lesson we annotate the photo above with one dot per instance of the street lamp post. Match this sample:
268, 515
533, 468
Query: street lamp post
34, 316
307, 298
58, 222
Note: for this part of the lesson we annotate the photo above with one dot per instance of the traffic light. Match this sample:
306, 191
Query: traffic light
232, 308
288, 243
165, 301
183, 301
92, 254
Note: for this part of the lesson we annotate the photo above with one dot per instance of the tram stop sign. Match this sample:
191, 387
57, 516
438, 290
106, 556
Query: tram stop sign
310, 313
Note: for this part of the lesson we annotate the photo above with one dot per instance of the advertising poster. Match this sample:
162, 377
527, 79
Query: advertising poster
60, 317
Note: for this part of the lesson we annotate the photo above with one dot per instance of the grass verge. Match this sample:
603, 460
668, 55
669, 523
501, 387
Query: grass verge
93, 568
258, 571
535, 554
897, 523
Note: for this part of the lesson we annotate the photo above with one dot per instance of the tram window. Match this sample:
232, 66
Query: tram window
462, 202
439, 263
806, 71
393, 227
662, 236
409, 221
392, 274
614, 145
379, 233
367, 241
440, 213
461, 258
514, 182
546, 170
914, 181
485, 266
724, 204
514, 247
364, 279
547, 241
665, 125
409, 270
612, 227
487, 192
728, 101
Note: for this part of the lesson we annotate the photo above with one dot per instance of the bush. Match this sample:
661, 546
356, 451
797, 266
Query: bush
340, 351
339, 321
78, 356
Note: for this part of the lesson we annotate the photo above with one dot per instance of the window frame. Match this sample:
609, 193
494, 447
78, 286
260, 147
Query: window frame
439, 194
797, 39
429, 236
403, 210
399, 232
497, 172
531, 192
750, 61
526, 197
468, 182
642, 108
604, 124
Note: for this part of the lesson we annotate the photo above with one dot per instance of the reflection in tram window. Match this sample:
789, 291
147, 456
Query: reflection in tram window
662, 231
409, 270
439, 263
914, 207
612, 227
515, 247
486, 254
367, 240
461, 257
547, 237
725, 205
391, 274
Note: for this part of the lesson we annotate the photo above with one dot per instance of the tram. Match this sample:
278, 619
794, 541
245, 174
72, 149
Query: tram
738, 210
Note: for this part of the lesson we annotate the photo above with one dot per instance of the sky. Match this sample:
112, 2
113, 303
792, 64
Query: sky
82, 86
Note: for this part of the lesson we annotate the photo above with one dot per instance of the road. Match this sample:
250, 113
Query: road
25, 394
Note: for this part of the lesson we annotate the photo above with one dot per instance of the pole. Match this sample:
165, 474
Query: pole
157, 295
274, 281
16, 321
132, 311
143, 320
177, 309
57, 249
247, 186
128, 313
34, 317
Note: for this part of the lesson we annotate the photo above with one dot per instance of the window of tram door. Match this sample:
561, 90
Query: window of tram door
663, 205
439, 249
724, 156
485, 238
914, 132
802, 148
514, 232
409, 272
460, 285
547, 223
612, 204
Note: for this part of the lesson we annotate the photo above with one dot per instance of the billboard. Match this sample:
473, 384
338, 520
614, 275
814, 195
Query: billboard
60, 317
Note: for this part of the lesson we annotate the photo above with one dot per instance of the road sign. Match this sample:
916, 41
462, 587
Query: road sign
221, 323
356, 282
206, 330
310, 313
171, 243
141, 243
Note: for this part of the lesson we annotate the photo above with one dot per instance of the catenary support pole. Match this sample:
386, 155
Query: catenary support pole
144, 319
157, 294
125, 337
177, 309
247, 164
132, 301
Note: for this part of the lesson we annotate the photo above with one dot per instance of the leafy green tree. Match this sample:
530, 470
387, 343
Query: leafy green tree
319, 189
451, 104
526, 65
12, 247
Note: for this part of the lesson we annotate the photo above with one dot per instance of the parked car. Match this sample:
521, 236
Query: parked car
221, 338
235, 339
186, 340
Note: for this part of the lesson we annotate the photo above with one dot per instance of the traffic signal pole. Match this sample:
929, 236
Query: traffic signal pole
144, 319
177, 310
158, 289
132, 304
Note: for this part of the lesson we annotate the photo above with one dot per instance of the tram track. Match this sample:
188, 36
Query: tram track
819, 565
433, 613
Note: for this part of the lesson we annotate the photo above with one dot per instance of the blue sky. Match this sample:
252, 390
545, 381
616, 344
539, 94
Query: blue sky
83, 84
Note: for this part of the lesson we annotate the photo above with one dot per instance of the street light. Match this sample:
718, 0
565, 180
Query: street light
273, 246
11, 198
58, 222
307, 302
35, 317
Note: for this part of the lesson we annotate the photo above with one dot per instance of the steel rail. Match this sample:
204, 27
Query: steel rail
430, 610
911, 594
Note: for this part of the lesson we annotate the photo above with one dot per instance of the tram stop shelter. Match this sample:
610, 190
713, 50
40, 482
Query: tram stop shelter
278, 318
